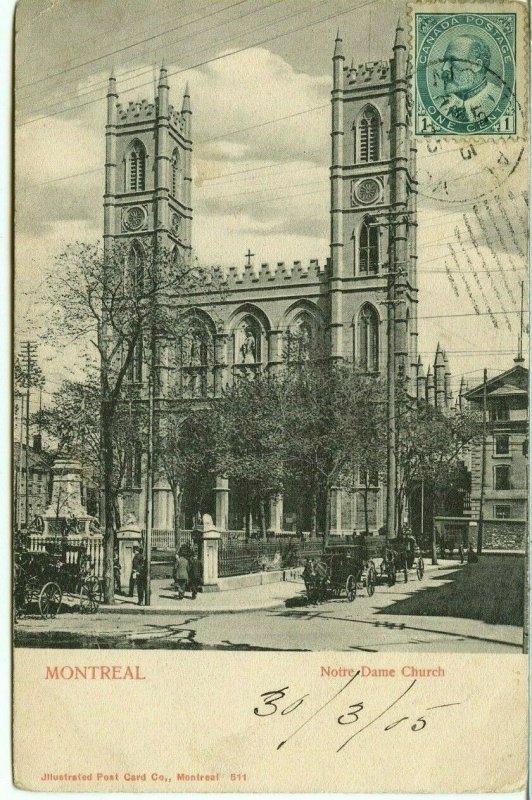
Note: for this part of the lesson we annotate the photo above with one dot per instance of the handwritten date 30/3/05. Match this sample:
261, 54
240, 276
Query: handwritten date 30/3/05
280, 702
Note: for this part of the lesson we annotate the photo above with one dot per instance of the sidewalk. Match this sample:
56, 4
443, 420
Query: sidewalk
252, 598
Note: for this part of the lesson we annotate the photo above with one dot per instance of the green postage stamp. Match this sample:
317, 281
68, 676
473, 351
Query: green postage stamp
466, 73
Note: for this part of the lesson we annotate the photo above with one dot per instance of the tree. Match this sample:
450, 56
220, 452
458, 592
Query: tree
249, 441
332, 418
430, 445
183, 453
118, 305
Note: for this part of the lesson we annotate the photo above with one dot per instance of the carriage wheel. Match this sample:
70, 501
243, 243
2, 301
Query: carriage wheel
371, 581
420, 569
89, 595
351, 588
50, 600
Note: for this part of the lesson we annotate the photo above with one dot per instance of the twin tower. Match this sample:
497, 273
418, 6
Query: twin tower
148, 191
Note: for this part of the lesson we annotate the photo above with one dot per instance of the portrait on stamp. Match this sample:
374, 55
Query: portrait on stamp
465, 74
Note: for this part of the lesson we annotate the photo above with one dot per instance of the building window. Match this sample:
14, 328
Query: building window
369, 136
499, 412
502, 444
136, 268
503, 512
136, 168
368, 339
368, 250
502, 477
135, 367
176, 167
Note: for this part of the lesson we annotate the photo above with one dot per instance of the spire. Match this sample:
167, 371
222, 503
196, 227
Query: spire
185, 108
338, 46
163, 77
400, 38
439, 360
111, 89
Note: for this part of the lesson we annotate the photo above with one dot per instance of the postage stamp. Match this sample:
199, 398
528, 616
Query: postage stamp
465, 72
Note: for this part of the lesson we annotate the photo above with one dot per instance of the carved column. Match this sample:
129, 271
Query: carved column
220, 363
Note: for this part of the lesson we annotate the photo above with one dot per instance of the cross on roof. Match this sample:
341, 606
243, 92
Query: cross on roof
249, 255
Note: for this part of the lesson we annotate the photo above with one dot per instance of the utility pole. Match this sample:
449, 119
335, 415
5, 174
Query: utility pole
483, 466
149, 486
28, 366
520, 359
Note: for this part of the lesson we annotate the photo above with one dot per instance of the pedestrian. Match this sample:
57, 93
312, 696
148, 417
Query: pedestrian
472, 557
181, 575
442, 547
134, 569
461, 552
116, 571
194, 577
141, 577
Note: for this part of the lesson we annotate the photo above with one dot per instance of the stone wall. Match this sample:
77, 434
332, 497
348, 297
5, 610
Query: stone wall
504, 534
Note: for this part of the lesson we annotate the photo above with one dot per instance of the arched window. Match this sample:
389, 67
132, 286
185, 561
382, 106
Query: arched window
368, 339
368, 249
369, 135
136, 268
175, 165
136, 167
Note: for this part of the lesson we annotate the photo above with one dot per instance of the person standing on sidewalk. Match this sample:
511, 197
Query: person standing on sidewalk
141, 577
134, 569
181, 575
193, 575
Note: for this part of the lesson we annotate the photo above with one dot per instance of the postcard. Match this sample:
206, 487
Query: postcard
270, 396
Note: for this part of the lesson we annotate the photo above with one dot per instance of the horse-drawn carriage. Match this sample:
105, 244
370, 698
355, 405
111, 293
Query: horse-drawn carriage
361, 563
44, 579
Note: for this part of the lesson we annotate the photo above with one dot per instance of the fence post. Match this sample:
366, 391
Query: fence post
207, 538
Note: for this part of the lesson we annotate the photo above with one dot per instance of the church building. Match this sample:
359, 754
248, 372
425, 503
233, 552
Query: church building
339, 304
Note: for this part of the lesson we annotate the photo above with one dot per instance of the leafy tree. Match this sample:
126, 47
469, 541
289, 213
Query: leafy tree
249, 440
117, 303
183, 454
332, 422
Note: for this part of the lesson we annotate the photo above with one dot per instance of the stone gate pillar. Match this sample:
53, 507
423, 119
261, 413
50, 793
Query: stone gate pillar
207, 539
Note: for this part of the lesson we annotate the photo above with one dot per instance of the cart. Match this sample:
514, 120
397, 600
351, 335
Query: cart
45, 578
407, 556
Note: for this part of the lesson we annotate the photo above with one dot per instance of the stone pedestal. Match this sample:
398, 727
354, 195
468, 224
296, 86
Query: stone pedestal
66, 505
128, 537
222, 503
207, 539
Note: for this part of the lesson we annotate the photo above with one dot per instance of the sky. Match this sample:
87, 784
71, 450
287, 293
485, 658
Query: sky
260, 76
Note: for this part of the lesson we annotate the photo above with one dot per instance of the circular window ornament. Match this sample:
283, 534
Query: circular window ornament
367, 191
134, 218
176, 223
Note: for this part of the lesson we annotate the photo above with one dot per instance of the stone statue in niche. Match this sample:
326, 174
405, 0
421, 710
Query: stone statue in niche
248, 349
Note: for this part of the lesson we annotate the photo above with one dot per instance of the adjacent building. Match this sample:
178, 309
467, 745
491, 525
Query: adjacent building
505, 496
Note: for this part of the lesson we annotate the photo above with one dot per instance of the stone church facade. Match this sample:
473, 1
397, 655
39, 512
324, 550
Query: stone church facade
339, 304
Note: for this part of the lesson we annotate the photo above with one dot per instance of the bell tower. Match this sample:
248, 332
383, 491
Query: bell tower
148, 170
373, 211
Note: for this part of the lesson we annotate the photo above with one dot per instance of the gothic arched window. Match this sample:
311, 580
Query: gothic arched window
176, 172
368, 249
369, 126
368, 339
136, 167
136, 267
